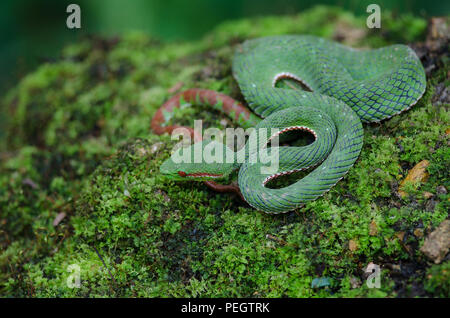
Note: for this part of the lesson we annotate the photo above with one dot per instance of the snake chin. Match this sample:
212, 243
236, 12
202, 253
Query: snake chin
171, 172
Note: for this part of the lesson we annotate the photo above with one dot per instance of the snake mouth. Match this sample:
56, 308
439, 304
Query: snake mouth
287, 75
199, 175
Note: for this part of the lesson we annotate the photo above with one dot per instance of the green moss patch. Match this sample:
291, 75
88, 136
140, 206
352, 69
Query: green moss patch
79, 182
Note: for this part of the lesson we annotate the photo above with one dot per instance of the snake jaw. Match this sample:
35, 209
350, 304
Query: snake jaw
202, 175
182, 175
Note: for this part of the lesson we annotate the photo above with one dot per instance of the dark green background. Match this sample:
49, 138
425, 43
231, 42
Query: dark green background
34, 31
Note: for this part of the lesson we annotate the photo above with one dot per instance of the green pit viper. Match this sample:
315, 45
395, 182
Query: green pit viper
346, 87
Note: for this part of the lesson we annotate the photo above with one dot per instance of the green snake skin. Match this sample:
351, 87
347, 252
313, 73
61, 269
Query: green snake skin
348, 87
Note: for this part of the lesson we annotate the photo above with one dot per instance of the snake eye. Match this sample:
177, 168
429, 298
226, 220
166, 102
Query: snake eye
182, 174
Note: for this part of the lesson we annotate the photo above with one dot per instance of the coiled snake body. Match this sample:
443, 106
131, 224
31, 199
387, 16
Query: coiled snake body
347, 87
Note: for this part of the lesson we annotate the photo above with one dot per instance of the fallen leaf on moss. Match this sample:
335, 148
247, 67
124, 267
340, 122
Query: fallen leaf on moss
418, 232
352, 245
417, 174
427, 195
373, 229
400, 235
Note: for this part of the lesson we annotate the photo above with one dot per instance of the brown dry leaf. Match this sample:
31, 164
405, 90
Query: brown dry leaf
427, 195
352, 245
418, 232
417, 174
400, 235
373, 229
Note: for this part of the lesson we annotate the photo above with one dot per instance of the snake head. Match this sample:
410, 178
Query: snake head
202, 161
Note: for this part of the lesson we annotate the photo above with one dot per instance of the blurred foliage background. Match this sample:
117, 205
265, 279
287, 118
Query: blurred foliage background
33, 31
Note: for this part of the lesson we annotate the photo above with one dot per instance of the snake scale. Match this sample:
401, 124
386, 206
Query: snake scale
345, 87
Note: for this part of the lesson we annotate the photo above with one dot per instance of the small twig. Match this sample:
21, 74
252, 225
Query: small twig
281, 241
406, 248
276, 239
104, 264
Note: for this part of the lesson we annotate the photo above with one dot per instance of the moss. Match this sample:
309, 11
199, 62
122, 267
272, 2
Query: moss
438, 280
77, 141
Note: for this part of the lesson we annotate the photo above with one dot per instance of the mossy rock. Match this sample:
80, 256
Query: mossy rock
77, 144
